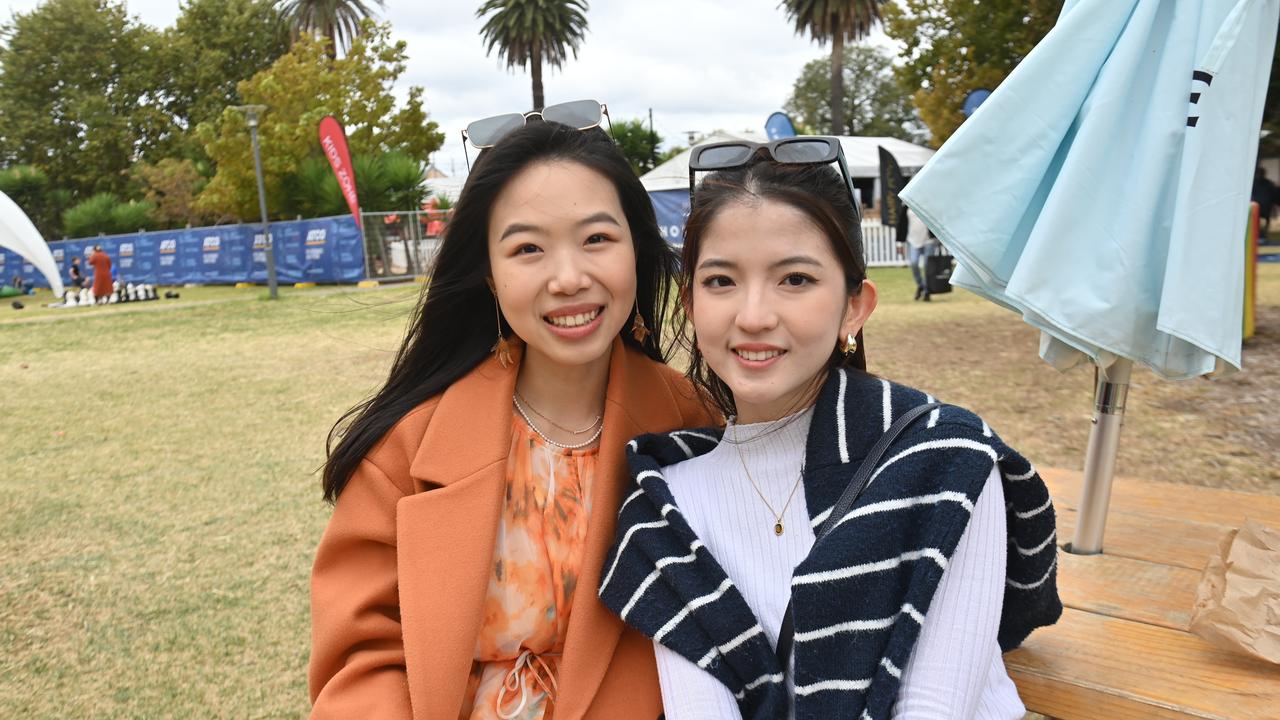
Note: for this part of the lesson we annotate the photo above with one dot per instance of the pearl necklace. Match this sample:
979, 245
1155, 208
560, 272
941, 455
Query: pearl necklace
549, 441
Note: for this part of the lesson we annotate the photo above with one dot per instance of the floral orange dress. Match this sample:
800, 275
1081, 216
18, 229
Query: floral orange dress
536, 561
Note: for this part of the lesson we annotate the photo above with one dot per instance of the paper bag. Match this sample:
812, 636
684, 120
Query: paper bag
1238, 601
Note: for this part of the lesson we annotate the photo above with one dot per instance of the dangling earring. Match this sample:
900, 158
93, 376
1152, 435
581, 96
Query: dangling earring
501, 348
850, 345
638, 329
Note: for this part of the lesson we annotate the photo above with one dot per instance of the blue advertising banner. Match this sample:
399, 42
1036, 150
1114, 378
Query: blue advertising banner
325, 250
671, 207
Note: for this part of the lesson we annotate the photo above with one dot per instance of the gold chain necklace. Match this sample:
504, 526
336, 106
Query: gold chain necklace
562, 446
534, 410
777, 516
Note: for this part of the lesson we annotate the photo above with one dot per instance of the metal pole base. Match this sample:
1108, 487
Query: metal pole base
1110, 395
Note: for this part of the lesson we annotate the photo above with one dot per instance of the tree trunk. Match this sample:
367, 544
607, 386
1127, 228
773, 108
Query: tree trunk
837, 84
535, 69
333, 43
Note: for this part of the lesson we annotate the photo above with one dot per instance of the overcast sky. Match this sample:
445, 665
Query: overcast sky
699, 64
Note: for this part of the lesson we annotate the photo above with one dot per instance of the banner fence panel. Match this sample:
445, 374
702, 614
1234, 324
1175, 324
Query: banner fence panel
323, 250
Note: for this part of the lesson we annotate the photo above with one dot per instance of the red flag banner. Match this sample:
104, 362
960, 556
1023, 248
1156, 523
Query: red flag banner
334, 143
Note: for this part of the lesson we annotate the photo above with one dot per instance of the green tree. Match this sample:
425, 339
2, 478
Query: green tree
299, 89
638, 144
104, 213
233, 40
387, 182
955, 46
876, 106
528, 33
77, 97
340, 21
836, 22
28, 186
171, 186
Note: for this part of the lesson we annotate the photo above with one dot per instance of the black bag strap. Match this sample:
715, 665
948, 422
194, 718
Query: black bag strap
786, 633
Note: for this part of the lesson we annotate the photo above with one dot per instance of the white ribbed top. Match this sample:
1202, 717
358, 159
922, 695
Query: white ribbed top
955, 670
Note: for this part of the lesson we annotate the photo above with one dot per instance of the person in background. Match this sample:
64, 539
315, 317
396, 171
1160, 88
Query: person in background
22, 286
101, 264
919, 245
1264, 193
78, 280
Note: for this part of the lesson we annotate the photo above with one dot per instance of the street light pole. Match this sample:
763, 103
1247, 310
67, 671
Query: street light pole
251, 113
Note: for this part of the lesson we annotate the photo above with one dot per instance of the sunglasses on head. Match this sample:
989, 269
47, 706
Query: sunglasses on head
805, 150
579, 114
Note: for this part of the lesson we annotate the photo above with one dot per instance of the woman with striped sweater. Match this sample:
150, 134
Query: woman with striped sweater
947, 558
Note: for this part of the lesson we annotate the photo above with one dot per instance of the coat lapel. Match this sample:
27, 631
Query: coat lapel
446, 536
634, 391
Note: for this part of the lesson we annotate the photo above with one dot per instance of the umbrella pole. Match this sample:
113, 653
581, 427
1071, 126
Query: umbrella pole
1100, 459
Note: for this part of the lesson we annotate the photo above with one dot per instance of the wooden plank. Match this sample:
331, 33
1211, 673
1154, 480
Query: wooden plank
1169, 500
1151, 538
1129, 589
1091, 666
1048, 698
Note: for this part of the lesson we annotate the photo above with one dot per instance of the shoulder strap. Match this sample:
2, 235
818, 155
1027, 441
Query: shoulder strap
859, 483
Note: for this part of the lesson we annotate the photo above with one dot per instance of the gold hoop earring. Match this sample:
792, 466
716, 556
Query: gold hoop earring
850, 345
638, 329
501, 348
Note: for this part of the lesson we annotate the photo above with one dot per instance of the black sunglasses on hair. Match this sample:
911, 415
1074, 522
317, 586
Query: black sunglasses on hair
579, 114
803, 150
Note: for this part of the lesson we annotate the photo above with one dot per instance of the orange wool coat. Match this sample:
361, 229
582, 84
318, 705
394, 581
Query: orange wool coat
101, 263
400, 576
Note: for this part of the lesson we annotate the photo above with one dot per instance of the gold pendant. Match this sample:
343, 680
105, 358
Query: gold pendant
777, 528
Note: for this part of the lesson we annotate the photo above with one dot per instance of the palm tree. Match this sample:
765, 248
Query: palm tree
837, 22
338, 20
530, 32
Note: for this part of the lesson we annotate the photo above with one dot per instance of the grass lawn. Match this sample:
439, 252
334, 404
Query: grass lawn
161, 508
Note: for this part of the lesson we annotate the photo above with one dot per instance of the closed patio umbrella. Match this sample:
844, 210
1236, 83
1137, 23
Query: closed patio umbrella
1102, 192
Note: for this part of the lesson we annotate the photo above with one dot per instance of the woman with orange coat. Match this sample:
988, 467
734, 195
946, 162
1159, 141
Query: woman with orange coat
476, 493
101, 274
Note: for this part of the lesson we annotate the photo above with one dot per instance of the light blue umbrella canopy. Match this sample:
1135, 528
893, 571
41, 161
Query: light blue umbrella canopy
1102, 190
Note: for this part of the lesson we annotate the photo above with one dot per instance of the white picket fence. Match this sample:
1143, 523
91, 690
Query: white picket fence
878, 245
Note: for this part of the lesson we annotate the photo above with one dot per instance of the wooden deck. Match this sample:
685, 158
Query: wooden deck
1121, 650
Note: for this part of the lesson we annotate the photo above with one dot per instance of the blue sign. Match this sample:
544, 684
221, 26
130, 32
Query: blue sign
327, 250
779, 126
973, 100
671, 207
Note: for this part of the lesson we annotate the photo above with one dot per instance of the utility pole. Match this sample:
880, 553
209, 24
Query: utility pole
251, 115
653, 143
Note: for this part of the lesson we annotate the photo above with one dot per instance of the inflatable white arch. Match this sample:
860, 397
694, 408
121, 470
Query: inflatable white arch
17, 233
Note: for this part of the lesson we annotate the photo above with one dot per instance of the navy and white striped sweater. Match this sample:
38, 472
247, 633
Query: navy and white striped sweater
860, 596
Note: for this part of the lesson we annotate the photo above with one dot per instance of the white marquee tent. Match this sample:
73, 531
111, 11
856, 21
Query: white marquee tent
861, 153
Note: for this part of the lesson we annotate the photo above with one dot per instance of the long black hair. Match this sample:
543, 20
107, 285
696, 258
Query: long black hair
452, 327
820, 193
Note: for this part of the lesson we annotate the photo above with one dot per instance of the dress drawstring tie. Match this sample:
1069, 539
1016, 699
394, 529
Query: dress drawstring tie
515, 680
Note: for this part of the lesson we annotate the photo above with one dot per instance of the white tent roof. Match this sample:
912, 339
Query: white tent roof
860, 153
18, 234
450, 187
